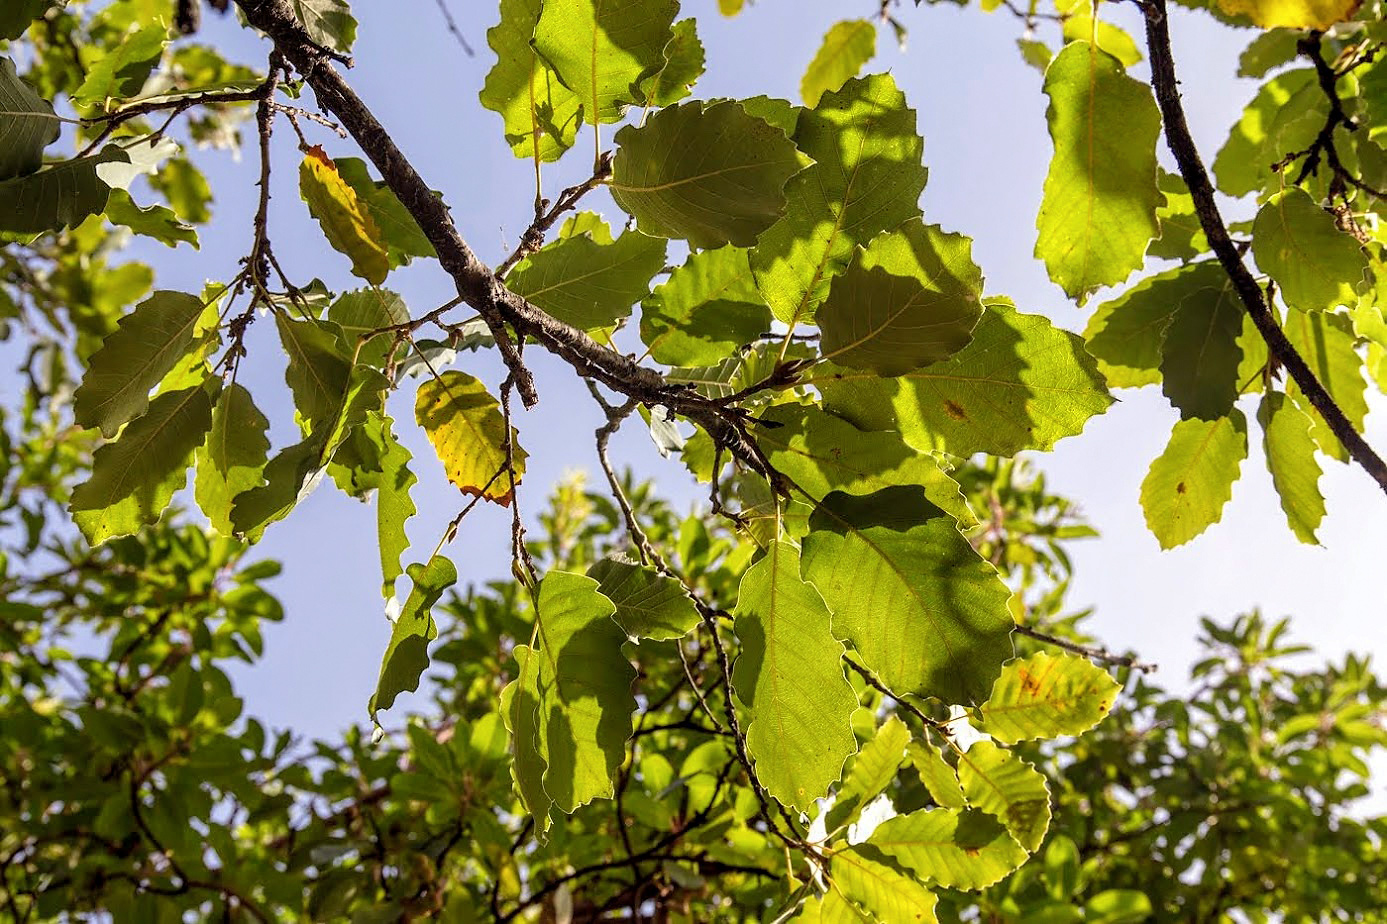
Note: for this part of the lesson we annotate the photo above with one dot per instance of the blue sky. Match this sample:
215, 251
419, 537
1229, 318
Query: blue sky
981, 112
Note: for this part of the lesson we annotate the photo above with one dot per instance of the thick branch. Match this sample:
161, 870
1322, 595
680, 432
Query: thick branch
1182, 145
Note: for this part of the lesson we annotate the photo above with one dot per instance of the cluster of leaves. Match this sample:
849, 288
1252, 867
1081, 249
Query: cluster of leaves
837, 357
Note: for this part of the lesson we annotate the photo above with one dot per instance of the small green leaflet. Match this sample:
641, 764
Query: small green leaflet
1098, 212
134, 478
1269, 127
1295, 472
957, 849
938, 778
648, 604
59, 196
1022, 383
1046, 696
872, 770
1184, 492
866, 179
789, 675
29, 125
911, 298
589, 280
705, 310
709, 174
146, 345
122, 72
998, 782
1125, 334
1078, 24
846, 48
1296, 242
407, 655
541, 115
924, 612
233, 457
883, 892
1326, 342
682, 67
357, 314
318, 373
156, 221
1200, 353
602, 48
328, 22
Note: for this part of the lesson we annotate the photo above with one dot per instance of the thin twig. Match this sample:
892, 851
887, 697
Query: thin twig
1093, 652
453, 28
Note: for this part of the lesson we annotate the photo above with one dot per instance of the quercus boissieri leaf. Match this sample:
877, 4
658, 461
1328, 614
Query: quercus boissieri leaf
464, 424
148, 342
648, 604
789, 674
957, 849
866, 179
407, 656
883, 892
1022, 383
346, 222
1047, 695
29, 126
1098, 212
318, 372
923, 611
134, 478
123, 70
357, 314
1200, 353
393, 503
1125, 333
1296, 242
872, 770
705, 310
520, 707
1295, 472
588, 279
1184, 492
1326, 342
1182, 236
541, 114
1292, 14
939, 779
998, 782
707, 173
289, 477
399, 232
156, 221
846, 47
18, 14
232, 458
911, 298
602, 48
59, 196
328, 22
1285, 115
682, 67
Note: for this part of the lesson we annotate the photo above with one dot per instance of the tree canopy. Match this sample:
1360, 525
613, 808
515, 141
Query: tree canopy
848, 690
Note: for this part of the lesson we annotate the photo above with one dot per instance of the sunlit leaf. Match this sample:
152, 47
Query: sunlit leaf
648, 604
939, 779
541, 114
1200, 353
1184, 492
328, 22
1326, 342
883, 892
155, 221
464, 424
1000, 783
846, 48
1316, 265
1294, 14
958, 850
123, 70
682, 67
870, 772
705, 310
345, 221
1295, 472
1046, 696
233, 457
407, 655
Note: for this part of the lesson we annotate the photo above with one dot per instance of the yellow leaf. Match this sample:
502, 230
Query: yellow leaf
345, 221
465, 426
1292, 14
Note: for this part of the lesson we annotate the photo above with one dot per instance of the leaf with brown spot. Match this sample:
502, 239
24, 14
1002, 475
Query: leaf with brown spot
465, 426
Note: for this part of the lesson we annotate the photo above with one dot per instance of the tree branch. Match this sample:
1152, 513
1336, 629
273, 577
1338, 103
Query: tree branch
1181, 144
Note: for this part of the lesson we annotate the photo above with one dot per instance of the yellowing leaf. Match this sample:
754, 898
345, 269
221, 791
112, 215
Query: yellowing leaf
465, 426
345, 221
1292, 14
1045, 696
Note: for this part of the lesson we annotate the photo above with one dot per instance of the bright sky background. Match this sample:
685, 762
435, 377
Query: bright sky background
981, 112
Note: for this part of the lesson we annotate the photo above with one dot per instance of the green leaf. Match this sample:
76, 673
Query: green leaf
134, 478
1184, 492
1045, 696
998, 782
393, 503
233, 457
872, 770
1125, 334
887, 895
156, 221
359, 313
464, 424
346, 222
399, 232
589, 282
1326, 342
583, 685
1295, 472
1182, 236
705, 310
1285, 115
328, 22
1117, 906
1268, 51
958, 850
866, 179
821, 453
145, 346
939, 779
911, 298
831, 908
1110, 38
1296, 242
29, 126
648, 604
707, 173
407, 656
289, 477
682, 67
789, 675
1200, 354
924, 612
541, 115
520, 706
318, 373
602, 48
59, 196
122, 71
16, 17
1022, 383
1098, 212
846, 48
